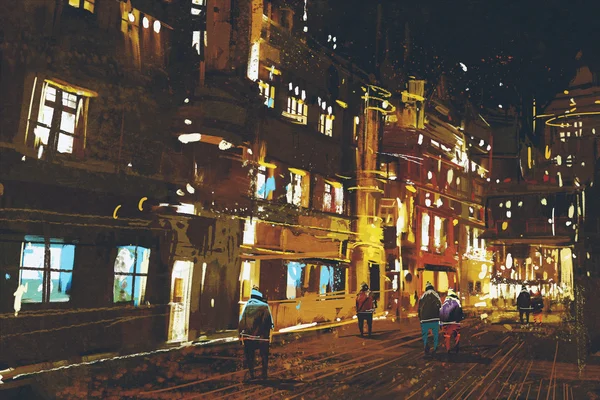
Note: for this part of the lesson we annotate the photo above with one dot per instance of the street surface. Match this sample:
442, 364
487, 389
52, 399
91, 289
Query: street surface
496, 361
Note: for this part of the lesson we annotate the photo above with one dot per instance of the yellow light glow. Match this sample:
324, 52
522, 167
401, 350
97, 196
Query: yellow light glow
141, 203
342, 103
115, 216
411, 188
504, 225
548, 152
297, 171
455, 222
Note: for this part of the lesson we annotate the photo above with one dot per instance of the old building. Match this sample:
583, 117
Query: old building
85, 166
432, 207
275, 127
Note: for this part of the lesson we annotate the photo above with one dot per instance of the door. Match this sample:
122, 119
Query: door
374, 280
180, 301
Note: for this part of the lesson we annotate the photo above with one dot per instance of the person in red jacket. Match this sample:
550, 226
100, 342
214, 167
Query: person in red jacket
365, 307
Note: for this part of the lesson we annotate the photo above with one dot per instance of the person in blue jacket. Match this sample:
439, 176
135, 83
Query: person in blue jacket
254, 329
429, 315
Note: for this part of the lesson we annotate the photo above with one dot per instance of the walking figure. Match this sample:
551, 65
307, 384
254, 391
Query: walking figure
365, 307
429, 315
537, 304
255, 327
451, 314
524, 304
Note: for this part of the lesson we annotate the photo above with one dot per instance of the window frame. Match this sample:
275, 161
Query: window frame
46, 269
54, 133
134, 275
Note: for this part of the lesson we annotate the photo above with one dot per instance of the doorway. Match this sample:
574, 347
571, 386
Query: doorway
180, 300
374, 280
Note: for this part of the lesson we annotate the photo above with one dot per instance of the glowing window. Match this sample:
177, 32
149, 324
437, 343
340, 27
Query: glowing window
425, 220
295, 279
60, 124
439, 234
265, 184
333, 198
88, 5
196, 41
249, 232
131, 273
268, 92
46, 273
294, 190
296, 109
332, 280
326, 124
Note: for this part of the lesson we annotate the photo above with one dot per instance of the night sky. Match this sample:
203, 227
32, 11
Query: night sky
514, 50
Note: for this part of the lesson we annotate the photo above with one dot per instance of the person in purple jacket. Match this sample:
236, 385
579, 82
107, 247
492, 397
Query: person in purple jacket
451, 314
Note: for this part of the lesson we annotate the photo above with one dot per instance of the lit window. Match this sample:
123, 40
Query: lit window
60, 124
247, 279
265, 185
296, 108
425, 219
87, 5
131, 273
332, 280
196, 41
46, 282
295, 277
327, 198
268, 92
326, 124
294, 190
199, 2
439, 234
249, 232
333, 198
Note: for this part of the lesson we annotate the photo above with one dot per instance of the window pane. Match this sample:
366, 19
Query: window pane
33, 282
50, 91
196, 41
294, 279
122, 288
69, 100
62, 258
326, 281
339, 200
132, 260
67, 122
65, 143
89, 5
425, 231
46, 116
261, 188
123, 284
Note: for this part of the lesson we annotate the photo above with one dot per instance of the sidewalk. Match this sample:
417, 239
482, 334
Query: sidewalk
212, 341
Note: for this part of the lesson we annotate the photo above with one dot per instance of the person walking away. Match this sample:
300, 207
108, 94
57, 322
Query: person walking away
429, 315
365, 307
451, 314
537, 305
524, 304
254, 328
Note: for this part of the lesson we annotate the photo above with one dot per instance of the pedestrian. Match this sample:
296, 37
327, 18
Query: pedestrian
255, 327
429, 315
365, 307
524, 304
537, 304
451, 314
